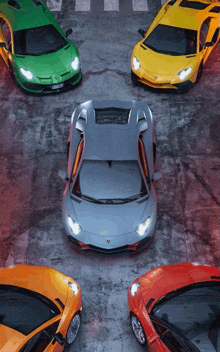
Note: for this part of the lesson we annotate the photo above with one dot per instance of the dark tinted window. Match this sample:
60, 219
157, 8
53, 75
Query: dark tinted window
110, 181
112, 115
24, 310
38, 40
172, 40
193, 5
41, 340
192, 310
7, 33
215, 9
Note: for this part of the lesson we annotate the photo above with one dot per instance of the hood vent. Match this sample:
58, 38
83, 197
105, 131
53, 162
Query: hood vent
193, 5
112, 116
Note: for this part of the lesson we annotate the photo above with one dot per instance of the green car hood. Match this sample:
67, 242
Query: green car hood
45, 66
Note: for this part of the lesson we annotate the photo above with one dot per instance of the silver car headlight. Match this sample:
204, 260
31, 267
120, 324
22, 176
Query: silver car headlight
134, 288
136, 63
184, 73
75, 63
142, 228
27, 74
74, 287
74, 226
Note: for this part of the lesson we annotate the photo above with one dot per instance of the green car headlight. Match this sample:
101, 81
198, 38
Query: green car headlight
75, 63
27, 74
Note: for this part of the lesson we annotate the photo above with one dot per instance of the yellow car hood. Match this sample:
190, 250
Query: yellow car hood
162, 64
10, 339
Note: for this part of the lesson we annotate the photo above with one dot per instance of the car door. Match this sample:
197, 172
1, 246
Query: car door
43, 340
6, 37
205, 35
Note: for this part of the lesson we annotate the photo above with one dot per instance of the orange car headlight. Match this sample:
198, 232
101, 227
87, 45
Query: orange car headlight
134, 288
74, 287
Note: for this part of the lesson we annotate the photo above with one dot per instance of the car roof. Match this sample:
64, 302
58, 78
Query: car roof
185, 17
28, 16
112, 141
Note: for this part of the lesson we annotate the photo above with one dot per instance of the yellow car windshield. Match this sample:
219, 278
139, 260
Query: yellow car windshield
172, 40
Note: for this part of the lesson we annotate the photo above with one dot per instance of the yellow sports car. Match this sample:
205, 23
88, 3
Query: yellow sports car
40, 309
176, 45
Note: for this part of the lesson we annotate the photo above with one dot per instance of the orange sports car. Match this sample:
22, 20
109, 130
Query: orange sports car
176, 308
40, 309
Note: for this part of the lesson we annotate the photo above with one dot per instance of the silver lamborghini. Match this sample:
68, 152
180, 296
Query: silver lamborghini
109, 201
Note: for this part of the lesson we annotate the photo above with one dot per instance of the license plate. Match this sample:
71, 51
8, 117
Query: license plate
57, 86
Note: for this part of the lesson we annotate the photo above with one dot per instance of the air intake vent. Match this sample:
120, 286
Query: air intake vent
14, 4
112, 115
193, 5
82, 116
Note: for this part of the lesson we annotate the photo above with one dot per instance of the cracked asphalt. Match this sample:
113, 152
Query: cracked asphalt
33, 134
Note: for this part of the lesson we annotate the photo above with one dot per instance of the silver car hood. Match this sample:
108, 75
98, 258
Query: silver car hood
109, 219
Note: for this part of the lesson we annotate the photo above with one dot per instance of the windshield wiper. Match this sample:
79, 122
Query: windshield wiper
122, 200
91, 199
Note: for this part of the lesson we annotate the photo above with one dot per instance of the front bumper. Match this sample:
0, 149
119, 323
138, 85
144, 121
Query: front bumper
104, 243
166, 85
51, 88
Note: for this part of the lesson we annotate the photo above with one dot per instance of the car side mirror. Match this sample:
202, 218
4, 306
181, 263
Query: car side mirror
63, 175
208, 44
157, 175
68, 32
59, 338
141, 32
3, 45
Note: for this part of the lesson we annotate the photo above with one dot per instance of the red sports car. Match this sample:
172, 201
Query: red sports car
176, 308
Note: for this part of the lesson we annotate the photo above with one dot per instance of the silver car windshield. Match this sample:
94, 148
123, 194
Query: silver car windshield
111, 181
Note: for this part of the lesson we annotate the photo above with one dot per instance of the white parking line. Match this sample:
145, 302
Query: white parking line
111, 5
82, 5
54, 5
139, 5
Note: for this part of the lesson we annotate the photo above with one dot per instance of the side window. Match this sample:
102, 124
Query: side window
40, 341
203, 33
175, 343
77, 160
215, 36
7, 33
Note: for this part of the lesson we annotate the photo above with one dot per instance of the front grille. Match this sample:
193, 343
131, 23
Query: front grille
47, 88
112, 116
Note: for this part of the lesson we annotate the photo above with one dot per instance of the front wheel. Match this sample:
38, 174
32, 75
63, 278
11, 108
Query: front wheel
138, 330
72, 330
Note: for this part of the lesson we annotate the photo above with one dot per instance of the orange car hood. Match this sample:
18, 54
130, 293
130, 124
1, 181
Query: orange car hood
162, 64
44, 280
10, 339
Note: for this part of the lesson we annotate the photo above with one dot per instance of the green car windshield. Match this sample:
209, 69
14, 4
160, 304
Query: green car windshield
38, 40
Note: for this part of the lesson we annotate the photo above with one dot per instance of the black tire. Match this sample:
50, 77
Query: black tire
72, 330
199, 74
134, 79
138, 330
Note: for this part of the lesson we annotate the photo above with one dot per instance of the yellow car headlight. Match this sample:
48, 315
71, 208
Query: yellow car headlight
184, 73
136, 63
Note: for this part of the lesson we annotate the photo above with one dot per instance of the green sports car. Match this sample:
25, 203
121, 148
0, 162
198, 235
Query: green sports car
36, 51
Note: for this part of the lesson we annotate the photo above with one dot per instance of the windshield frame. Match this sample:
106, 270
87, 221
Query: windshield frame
105, 200
16, 34
173, 294
194, 35
33, 294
